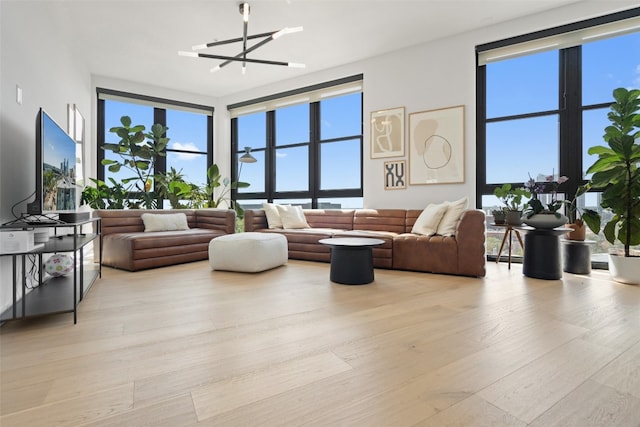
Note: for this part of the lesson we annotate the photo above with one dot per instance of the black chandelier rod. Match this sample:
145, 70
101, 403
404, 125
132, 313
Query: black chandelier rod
239, 58
251, 49
239, 39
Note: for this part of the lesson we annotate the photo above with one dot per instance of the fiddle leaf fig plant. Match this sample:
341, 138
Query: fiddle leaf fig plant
138, 151
617, 169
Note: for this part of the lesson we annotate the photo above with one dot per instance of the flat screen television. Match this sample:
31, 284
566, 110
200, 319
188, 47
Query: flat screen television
55, 172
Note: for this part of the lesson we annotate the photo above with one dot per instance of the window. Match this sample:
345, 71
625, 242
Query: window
190, 133
543, 102
308, 147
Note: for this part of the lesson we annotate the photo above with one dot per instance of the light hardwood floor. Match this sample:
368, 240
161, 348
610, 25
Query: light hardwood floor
184, 346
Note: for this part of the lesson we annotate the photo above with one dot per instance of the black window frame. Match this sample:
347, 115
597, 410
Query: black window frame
314, 193
570, 108
159, 116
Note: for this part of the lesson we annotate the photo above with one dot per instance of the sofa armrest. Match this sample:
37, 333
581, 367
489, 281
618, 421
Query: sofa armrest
255, 219
217, 219
471, 238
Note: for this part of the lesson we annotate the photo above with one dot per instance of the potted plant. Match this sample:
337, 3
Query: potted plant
536, 214
138, 152
499, 216
617, 173
512, 199
579, 219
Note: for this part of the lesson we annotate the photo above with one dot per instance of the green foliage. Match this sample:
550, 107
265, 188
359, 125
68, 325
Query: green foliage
223, 195
102, 196
173, 187
511, 197
138, 152
588, 216
617, 169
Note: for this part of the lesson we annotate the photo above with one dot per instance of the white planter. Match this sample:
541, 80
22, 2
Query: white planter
625, 269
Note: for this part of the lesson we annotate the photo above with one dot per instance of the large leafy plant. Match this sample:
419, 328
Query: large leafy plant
512, 197
138, 151
617, 170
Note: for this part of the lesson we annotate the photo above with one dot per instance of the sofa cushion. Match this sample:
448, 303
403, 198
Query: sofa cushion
292, 217
451, 218
164, 222
273, 215
427, 222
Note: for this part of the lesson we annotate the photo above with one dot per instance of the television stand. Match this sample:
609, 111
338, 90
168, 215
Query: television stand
34, 219
50, 295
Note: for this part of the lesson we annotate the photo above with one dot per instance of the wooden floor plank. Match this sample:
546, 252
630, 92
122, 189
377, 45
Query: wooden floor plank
288, 347
593, 405
535, 388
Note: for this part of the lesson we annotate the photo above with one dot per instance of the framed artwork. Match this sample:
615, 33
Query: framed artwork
436, 146
387, 133
75, 129
395, 175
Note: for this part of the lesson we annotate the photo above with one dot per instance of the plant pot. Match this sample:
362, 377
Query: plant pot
579, 232
545, 221
624, 269
513, 217
498, 217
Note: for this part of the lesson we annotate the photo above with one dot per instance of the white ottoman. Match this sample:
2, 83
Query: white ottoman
248, 252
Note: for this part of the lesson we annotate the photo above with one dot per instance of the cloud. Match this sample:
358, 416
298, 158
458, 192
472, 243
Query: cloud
187, 146
279, 154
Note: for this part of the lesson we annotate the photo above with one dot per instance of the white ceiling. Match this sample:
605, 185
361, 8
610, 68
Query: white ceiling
139, 40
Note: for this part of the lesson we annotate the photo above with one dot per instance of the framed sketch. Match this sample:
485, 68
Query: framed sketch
75, 129
436, 146
395, 175
387, 133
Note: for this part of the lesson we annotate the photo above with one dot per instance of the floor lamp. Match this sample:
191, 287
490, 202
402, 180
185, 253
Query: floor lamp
245, 158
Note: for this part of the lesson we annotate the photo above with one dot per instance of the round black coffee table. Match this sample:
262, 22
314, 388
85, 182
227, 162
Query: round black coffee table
351, 259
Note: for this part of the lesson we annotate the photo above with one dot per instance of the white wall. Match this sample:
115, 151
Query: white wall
33, 57
425, 77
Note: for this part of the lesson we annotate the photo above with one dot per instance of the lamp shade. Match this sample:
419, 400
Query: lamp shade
247, 157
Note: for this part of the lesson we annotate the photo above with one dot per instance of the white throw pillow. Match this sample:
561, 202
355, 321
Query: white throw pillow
451, 217
273, 216
292, 217
164, 222
427, 222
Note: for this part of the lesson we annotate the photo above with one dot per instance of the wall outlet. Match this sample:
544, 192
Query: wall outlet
18, 94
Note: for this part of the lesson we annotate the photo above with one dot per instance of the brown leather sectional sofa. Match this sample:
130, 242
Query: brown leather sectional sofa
127, 246
462, 254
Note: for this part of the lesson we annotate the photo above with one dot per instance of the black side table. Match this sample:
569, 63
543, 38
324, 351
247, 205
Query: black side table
351, 259
576, 255
542, 255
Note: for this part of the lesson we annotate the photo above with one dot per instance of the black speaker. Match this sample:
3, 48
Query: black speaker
74, 216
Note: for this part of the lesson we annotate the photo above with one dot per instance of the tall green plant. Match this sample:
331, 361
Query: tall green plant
617, 170
138, 151
219, 190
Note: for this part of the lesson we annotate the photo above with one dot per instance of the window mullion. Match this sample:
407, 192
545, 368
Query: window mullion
571, 118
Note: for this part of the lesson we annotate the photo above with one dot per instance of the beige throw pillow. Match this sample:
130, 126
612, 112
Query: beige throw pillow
427, 222
164, 222
273, 216
292, 217
451, 217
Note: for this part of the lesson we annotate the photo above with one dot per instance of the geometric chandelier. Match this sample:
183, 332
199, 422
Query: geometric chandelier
242, 56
